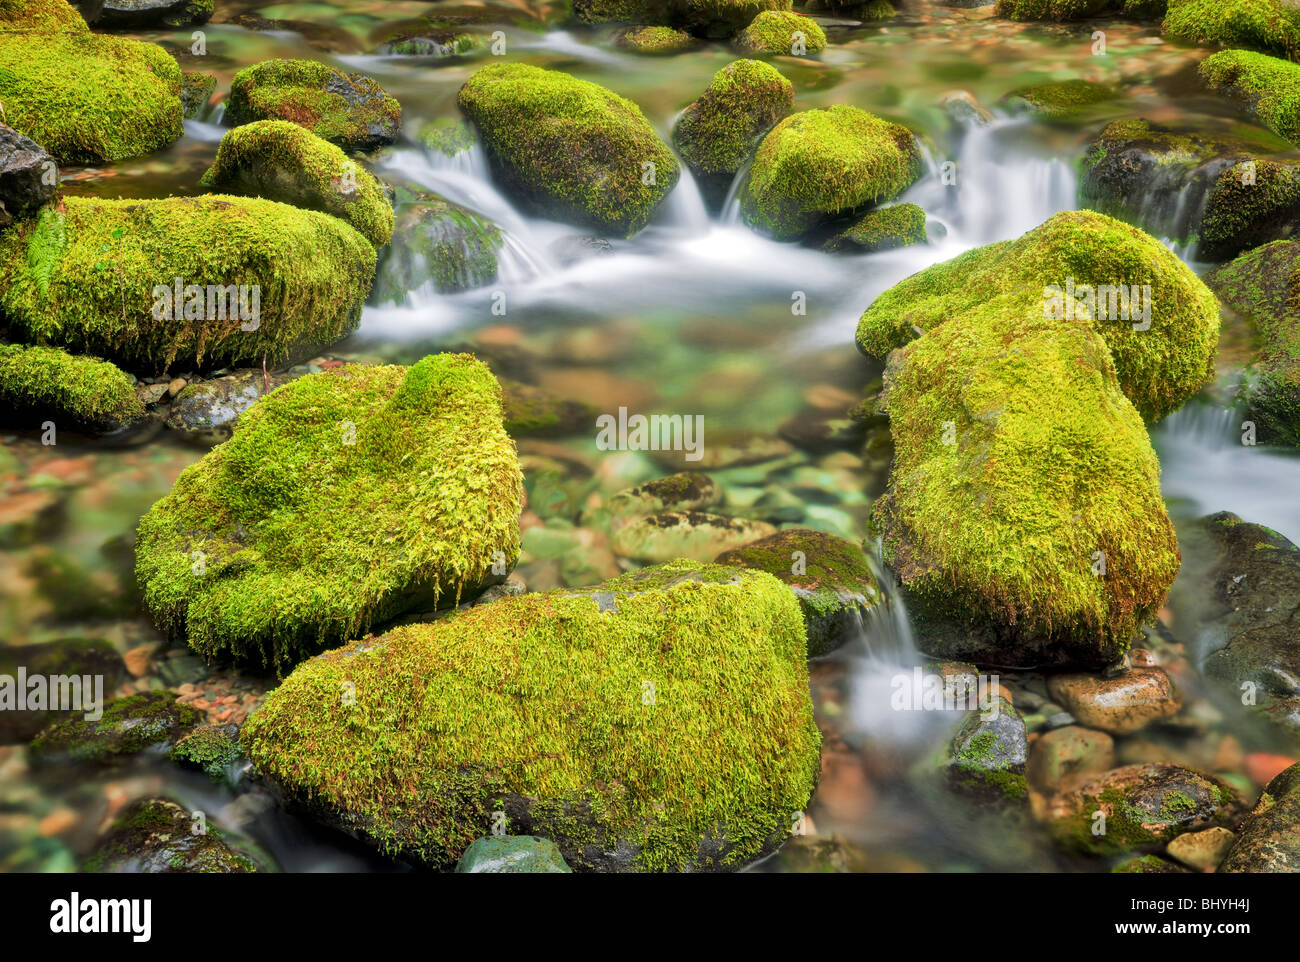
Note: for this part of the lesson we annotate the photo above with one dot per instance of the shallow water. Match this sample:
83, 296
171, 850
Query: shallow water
692, 316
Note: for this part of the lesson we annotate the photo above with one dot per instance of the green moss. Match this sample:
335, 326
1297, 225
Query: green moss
281, 161
1244, 211
208, 748
89, 98
899, 225
540, 704
41, 15
1063, 99
569, 147
154, 835
129, 725
342, 499
84, 279
350, 110
1268, 86
1158, 368
438, 242
782, 32
532, 412
196, 90
656, 40
716, 19
1270, 25
819, 163
1065, 10
449, 136
87, 391
717, 132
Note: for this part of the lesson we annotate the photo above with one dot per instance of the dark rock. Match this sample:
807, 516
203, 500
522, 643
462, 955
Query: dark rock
1268, 840
436, 243
205, 411
28, 176
129, 725
144, 14
987, 757
156, 836
196, 90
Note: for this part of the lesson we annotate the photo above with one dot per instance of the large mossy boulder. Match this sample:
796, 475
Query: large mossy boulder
1220, 194
715, 19
658, 721
1270, 25
435, 243
818, 164
717, 133
341, 500
86, 98
1263, 286
282, 161
1267, 87
258, 280
350, 110
782, 32
993, 399
81, 392
1268, 840
568, 148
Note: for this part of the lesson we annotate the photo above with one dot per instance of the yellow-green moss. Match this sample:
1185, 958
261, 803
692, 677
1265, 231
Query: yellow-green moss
438, 242
716, 19
823, 162
1062, 10
281, 161
87, 98
296, 90
659, 721
656, 40
90, 392
773, 31
84, 278
1158, 368
1065, 98
343, 498
570, 147
899, 225
1270, 25
1269, 87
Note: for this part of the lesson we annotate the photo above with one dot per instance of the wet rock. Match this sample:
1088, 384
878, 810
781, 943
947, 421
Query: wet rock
725, 451
438, 244
1066, 754
830, 576
212, 749
684, 534
1148, 865
155, 836
350, 110
1144, 806
446, 35
128, 726
1120, 705
1202, 850
826, 854
963, 108
328, 37
449, 136
148, 14
85, 659
986, 759
196, 90
512, 853
533, 412
28, 176
1064, 99
1268, 840
900, 225
204, 412
685, 491
82, 393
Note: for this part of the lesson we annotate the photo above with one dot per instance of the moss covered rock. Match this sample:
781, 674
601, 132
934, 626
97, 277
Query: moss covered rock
1159, 365
1271, 25
717, 133
829, 575
1268, 840
128, 726
987, 756
887, 228
1263, 286
342, 499
1266, 86
156, 836
782, 32
1065, 10
1063, 99
150, 14
513, 854
282, 161
99, 276
570, 148
656, 40
716, 19
86, 98
658, 721
83, 392
212, 749
685, 491
817, 164
350, 110
196, 90
437, 243
531, 411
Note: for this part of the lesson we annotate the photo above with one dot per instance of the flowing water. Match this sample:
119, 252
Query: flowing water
694, 316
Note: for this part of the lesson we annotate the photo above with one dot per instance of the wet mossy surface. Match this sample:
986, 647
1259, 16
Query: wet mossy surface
212, 749
128, 726
1268, 86
782, 32
1269, 25
887, 228
157, 836
438, 243
81, 392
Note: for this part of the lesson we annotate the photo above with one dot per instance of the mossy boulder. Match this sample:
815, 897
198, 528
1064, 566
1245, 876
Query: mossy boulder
156, 836
1263, 286
829, 575
86, 98
1269, 25
212, 749
883, 229
568, 148
512, 854
1159, 365
1144, 807
1221, 194
350, 110
782, 32
658, 721
656, 41
1267, 87
83, 392
197, 89
98, 277
1062, 99
27, 176
717, 132
49, 15
987, 755
341, 500
1268, 840
436, 243
818, 164
151, 14
715, 19
440, 36
282, 161
65, 658
127, 727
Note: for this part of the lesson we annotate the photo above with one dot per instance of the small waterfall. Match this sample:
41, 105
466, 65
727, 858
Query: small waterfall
684, 210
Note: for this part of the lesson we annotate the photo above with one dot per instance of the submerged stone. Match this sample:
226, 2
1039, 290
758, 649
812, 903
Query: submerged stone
437, 243
342, 499
1067, 754
59, 662
715, 19
684, 534
512, 853
658, 721
1121, 705
685, 491
156, 836
1063, 99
